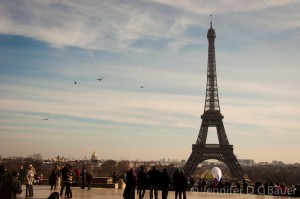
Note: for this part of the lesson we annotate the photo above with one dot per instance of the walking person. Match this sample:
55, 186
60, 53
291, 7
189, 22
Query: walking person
141, 182
11, 187
69, 181
83, 177
89, 180
63, 172
129, 191
154, 181
29, 181
166, 182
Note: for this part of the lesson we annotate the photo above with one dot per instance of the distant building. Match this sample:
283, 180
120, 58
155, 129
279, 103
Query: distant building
246, 162
263, 163
277, 163
94, 158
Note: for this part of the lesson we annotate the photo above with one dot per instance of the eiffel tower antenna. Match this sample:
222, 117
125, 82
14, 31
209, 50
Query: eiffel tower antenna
212, 117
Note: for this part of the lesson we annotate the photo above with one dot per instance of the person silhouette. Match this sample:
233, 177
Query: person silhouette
11, 187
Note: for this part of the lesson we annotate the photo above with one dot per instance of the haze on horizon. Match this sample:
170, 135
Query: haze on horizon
161, 45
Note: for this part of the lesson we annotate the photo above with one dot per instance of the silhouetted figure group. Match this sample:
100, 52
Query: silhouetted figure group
155, 180
180, 184
11, 183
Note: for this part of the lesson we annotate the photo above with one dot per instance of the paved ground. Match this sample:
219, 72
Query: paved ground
42, 192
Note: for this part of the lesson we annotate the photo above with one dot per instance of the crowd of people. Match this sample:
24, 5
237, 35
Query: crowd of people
69, 176
179, 183
155, 180
246, 187
11, 183
136, 183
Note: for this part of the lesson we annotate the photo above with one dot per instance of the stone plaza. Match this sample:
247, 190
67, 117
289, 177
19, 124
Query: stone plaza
42, 192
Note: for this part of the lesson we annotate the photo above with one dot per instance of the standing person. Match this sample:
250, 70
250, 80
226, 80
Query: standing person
69, 181
245, 184
183, 184
53, 177
191, 182
154, 181
77, 175
11, 187
129, 191
63, 172
176, 184
3, 174
166, 182
83, 177
141, 182
115, 177
22, 174
89, 180
29, 181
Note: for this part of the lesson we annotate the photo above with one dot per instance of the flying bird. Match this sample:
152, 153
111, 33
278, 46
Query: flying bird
100, 79
75, 82
141, 86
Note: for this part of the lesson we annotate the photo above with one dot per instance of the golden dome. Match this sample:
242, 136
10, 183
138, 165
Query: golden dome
94, 156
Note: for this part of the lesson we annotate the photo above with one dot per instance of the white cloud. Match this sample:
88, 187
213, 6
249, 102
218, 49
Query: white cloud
115, 25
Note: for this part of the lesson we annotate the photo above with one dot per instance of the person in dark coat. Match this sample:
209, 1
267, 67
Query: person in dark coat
83, 177
245, 184
3, 173
129, 191
53, 177
63, 171
154, 181
89, 180
176, 185
141, 182
22, 174
166, 182
11, 187
183, 184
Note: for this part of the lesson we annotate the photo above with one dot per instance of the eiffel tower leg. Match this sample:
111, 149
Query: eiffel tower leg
191, 164
234, 166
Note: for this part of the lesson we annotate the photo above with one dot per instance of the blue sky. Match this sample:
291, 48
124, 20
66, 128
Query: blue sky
161, 44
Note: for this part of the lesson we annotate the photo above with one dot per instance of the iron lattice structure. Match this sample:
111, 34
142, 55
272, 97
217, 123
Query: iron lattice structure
212, 117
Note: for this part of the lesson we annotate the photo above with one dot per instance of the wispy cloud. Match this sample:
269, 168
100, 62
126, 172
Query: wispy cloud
115, 25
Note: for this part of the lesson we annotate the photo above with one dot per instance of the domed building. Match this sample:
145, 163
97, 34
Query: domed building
94, 158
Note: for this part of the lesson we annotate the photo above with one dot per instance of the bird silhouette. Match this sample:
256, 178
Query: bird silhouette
75, 82
100, 79
141, 86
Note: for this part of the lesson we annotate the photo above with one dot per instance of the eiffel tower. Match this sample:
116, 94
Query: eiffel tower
212, 117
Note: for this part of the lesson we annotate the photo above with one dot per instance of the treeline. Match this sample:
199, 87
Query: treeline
288, 174
106, 169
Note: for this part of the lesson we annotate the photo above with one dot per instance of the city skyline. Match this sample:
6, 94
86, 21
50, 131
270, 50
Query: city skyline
128, 79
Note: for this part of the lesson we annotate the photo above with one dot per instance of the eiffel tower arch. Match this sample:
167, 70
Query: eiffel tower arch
212, 117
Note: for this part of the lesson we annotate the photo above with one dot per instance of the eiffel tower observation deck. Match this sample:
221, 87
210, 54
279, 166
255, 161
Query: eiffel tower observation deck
212, 117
